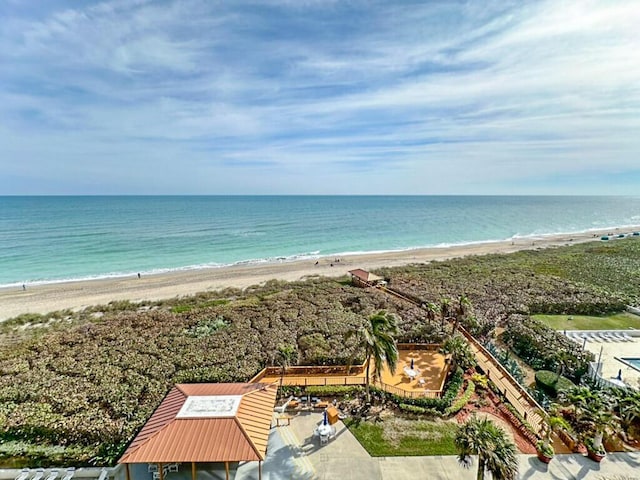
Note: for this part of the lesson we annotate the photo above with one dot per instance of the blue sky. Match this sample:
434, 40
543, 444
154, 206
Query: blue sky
319, 97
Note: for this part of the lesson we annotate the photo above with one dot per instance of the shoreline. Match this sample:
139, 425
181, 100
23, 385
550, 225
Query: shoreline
76, 295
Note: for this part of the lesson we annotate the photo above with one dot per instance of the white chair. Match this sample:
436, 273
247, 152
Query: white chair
593, 337
172, 467
39, 474
104, 474
53, 474
71, 471
152, 467
24, 474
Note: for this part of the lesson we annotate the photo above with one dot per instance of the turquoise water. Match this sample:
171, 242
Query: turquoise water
45, 239
634, 362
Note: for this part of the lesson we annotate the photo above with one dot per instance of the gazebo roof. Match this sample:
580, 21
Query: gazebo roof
364, 275
207, 422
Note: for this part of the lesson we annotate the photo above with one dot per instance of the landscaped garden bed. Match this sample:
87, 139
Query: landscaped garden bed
398, 435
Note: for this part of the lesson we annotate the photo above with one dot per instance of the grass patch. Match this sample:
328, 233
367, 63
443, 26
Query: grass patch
618, 321
397, 437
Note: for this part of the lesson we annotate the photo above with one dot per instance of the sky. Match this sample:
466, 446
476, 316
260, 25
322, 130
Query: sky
319, 97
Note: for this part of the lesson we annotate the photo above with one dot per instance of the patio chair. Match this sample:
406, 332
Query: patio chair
71, 471
605, 336
172, 467
39, 474
24, 474
152, 467
53, 474
627, 337
104, 474
593, 337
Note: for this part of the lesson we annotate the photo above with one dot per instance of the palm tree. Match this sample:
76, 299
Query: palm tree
562, 358
432, 310
552, 423
445, 311
628, 406
461, 310
593, 411
379, 344
496, 451
461, 354
285, 353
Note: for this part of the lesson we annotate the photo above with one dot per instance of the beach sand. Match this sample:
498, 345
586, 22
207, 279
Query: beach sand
77, 295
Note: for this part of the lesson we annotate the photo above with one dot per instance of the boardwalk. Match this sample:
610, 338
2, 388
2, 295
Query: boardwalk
524, 404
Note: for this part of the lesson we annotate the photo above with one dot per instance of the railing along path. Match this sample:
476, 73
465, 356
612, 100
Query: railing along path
515, 394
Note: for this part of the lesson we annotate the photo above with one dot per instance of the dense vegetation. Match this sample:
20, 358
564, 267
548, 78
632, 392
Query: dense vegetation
77, 386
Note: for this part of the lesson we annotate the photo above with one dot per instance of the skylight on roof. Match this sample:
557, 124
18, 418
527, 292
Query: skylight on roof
210, 406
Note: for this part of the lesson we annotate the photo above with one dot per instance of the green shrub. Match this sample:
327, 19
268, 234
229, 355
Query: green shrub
552, 383
207, 327
405, 407
423, 411
463, 400
480, 380
333, 390
181, 308
538, 345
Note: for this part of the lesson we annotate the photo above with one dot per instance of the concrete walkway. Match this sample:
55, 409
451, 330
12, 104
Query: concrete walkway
294, 453
344, 457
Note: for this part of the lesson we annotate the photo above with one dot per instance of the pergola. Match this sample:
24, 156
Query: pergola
205, 423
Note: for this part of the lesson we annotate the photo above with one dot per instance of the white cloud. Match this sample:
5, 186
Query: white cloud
426, 98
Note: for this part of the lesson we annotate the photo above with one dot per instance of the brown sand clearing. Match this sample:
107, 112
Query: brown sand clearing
431, 366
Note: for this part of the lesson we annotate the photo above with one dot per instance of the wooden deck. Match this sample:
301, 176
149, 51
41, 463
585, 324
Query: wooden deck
432, 373
431, 365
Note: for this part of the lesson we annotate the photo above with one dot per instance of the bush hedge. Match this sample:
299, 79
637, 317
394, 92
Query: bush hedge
551, 383
462, 400
334, 390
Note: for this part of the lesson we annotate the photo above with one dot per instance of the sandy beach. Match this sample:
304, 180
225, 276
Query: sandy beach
80, 294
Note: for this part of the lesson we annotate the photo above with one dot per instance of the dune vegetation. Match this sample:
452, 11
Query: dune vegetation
75, 387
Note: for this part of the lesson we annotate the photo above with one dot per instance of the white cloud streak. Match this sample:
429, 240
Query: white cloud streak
390, 98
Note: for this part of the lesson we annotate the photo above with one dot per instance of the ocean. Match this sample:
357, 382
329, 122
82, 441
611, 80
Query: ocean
51, 239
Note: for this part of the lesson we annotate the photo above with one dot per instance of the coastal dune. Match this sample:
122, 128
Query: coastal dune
80, 294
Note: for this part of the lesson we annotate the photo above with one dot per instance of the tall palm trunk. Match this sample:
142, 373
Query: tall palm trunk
480, 474
366, 379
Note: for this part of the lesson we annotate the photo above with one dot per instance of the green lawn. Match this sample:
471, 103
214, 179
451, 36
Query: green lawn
619, 321
398, 436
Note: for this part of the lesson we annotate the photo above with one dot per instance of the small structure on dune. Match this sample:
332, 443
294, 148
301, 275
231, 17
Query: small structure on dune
362, 278
210, 427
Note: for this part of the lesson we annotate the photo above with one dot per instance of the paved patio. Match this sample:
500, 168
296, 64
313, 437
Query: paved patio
293, 453
611, 351
344, 457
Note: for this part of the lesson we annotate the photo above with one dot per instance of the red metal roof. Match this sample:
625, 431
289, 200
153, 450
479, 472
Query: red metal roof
361, 274
364, 275
240, 437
